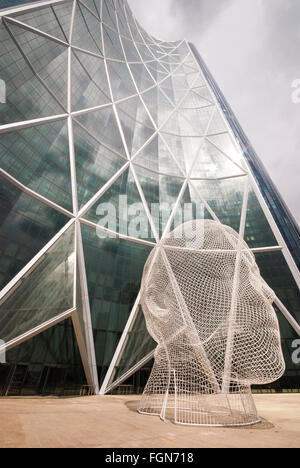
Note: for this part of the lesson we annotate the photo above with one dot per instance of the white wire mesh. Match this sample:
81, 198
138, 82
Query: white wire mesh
208, 308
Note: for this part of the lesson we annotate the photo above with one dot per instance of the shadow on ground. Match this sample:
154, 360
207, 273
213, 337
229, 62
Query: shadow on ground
263, 425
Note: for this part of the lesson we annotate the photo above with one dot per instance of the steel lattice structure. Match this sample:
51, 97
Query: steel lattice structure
97, 108
211, 313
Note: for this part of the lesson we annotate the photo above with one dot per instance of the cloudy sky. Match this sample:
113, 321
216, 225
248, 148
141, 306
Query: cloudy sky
252, 48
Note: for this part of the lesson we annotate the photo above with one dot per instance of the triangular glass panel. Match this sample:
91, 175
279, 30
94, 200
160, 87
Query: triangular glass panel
156, 156
158, 105
273, 267
26, 225
89, 81
144, 51
258, 232
191, 207
224, 197
95, 164
86, 32
156, 50
190, 60
109, 15
136, 124
145, 36
156, 67
63, 12
112, 44
211, 163
194, 101
225, 143
189, 122
173, 66
26, 97
169, 45
167, 83
138, 344
217, 124
113, 285
181, 73
195, 121
93, 5
180, 82
135, 33
47, 364
184, 150
102, 124
160, 75
45, 19
45, 292
39, 158
166, 66
123, 25
179, 95
152, 69
130, 51
79, 304
141, 76
174, 56
148, 157
169, 93
48, 59
161, 193
120, 209
165, 108
189, 67
204, 93
121, 81
195, 80
160, 55
182, 48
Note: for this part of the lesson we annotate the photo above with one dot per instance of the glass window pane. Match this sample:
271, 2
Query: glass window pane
26, 97
137, 345
39, 158
114, 284
26, 225
43, 293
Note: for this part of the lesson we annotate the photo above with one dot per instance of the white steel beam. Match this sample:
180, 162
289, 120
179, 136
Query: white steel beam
121, 346
36, 330
30, 6
34, 194
86, 311
130, 372
33, 262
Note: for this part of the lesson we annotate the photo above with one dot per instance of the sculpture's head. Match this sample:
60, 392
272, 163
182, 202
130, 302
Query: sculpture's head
203, 283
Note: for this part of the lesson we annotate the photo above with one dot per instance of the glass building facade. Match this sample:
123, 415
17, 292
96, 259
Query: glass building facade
108, 137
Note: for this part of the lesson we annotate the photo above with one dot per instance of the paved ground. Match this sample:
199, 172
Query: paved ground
112, 422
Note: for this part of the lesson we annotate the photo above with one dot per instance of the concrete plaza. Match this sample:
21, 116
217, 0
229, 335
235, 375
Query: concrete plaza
112, 422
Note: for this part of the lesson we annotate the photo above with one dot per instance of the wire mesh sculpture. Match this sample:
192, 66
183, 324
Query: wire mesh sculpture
210, 311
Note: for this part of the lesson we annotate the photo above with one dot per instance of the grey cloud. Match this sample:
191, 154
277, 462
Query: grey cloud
196, 15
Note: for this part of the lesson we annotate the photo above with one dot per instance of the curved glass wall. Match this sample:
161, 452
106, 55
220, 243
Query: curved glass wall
109, 138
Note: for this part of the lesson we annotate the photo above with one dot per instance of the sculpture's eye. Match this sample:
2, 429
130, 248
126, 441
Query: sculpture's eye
157, 302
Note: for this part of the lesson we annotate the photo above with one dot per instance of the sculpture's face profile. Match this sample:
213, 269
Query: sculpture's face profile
205, 287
